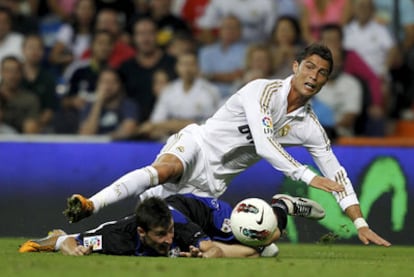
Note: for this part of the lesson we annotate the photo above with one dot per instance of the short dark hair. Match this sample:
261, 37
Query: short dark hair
153, 212
295, 24
316, 49
143, 19
7, 12
333, 27
13, 59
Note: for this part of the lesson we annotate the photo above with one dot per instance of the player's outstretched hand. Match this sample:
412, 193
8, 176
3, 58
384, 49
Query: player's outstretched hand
326, 184
366, 235
194, 252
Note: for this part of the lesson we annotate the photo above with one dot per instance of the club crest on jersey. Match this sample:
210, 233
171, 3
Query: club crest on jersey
225, 227
284, 130
267, 124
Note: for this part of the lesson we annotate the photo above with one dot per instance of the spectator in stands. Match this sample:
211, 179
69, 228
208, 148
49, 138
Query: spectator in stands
186, 100
343, 94
21, 109
180, 43
400, 23
288, 8
10, 42
167, 24
372, 122
108, 20
316, 13
138, 71
81, 78
222, 62
190, 11
124, 8
112, 113
373, 42
4, 128
258, 64
160, 79
25, 19
64, 9
286, 42
403, 30
256, 17
74, 37
39, 80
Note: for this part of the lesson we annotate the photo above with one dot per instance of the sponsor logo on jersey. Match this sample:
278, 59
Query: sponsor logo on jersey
284, 130
180, 148
267, 124
95, 241
225, 227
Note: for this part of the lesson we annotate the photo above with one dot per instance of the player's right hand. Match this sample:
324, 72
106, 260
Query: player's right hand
326, 184
366, 235
194, 252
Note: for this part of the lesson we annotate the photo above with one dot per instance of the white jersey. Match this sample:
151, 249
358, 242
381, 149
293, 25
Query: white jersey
197, 104
254, 124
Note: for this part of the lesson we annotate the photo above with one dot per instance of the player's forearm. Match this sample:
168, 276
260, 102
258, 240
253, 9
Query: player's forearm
213, 252
71, 247
353, 212
236, 250
68, 246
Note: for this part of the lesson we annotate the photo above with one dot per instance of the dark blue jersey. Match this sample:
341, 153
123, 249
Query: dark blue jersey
195, 219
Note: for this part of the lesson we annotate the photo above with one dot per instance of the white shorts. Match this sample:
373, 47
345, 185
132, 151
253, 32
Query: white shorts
197, 177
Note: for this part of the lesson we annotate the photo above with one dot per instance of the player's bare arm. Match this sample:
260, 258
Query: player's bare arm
326, 184
365, 234
237, 250
71, 247
207, 249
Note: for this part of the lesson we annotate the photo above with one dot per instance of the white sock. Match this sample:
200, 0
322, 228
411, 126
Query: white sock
131, 184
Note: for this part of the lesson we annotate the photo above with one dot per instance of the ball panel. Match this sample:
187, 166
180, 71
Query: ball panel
253, 222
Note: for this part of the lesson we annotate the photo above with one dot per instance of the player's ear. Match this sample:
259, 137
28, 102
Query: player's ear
295, 66
141, 232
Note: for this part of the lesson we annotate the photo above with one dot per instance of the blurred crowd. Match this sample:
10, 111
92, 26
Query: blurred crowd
143, 69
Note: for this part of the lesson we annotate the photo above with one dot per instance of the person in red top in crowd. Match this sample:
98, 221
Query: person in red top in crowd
190, 11
108, 20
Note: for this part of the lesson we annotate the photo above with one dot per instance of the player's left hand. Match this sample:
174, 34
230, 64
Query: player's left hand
366, 235
193, 253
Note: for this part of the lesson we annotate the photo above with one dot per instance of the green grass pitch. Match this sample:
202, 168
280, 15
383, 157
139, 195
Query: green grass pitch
293, 260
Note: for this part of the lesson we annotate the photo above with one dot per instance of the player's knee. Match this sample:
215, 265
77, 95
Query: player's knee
169, 168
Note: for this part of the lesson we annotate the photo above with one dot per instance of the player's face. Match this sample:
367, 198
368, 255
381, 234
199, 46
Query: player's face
159, 238
310, 75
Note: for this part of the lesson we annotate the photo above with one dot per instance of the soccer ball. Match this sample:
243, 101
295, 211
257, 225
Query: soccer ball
253, 222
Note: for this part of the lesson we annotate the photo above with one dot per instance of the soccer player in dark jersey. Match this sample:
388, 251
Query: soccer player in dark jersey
181, 225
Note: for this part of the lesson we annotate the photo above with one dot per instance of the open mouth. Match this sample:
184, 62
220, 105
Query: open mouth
310, 85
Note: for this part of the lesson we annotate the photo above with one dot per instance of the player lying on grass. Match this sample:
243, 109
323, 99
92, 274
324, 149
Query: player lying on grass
181, 225
254, 123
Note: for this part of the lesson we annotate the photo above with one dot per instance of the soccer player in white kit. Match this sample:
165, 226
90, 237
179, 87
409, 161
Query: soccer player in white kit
255, 123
